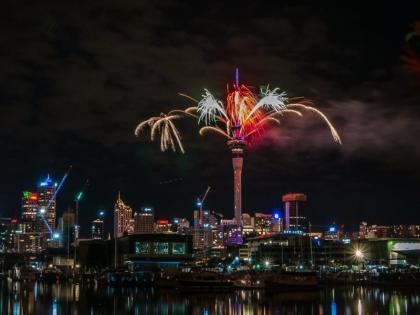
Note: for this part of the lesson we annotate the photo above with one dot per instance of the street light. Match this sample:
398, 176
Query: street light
359, 254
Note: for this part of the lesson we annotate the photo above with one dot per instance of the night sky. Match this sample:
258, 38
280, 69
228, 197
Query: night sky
76, 78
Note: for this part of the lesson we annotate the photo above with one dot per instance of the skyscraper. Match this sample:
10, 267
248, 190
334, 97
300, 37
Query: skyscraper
294, 209
144, 220
47, 206
66, 228
29, 211
98, 229
122, 216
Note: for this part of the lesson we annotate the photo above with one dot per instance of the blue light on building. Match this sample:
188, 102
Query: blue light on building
276, 215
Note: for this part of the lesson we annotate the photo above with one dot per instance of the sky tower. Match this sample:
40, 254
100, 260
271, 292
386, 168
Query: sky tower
237, 148
237, 145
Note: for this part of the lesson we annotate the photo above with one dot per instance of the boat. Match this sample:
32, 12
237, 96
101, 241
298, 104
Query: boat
27, 274
292, 281
51, 275
204, 281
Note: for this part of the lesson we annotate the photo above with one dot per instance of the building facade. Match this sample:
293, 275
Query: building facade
29, 211
98, 229
294, 212
122, 216
144, 221
46, 219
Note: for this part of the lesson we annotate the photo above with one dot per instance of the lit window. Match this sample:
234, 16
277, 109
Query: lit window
161, 248
178, 248
142, 248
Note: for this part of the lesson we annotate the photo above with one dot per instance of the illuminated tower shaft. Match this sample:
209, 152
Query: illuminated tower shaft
237, 148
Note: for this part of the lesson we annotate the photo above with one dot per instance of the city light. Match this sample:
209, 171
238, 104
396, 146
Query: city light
56, 236
358, 253
101, 213
276, 215
42, 210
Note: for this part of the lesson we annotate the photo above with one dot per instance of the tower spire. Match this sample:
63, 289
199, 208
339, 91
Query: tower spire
237, 77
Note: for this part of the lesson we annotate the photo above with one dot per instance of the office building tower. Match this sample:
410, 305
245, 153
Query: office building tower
122, 216
29, 210
98, 229
66, 229
7, 233
294, 213
144, 221
47, 206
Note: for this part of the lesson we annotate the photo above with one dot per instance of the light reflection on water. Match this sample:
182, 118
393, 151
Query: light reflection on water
37, 298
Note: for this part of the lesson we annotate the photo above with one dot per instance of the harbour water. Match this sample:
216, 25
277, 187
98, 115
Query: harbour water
38, 298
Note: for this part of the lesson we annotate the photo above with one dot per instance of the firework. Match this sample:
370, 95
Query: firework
245, 113
240, 119
169, 134
412, 51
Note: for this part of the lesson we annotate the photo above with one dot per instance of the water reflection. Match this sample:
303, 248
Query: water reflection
38, 298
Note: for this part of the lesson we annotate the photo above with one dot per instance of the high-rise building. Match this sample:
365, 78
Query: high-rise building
29, 211
294, 212
262, 223
28, 242
98, 229
144, 221
122, 216
47, 206
363, 230
7, 232
66, 228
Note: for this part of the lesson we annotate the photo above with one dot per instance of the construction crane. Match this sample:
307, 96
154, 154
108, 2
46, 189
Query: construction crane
77, 199
200, 203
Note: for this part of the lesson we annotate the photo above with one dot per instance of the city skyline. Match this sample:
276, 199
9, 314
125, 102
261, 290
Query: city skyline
84, 115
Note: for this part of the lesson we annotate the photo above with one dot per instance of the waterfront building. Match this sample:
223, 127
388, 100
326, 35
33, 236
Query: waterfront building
294, 212
149, 252
144, 220
122, 216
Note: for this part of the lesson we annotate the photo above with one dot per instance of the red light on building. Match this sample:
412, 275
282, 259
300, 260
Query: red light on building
294, 197
162, 222
14, 221
33, 197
